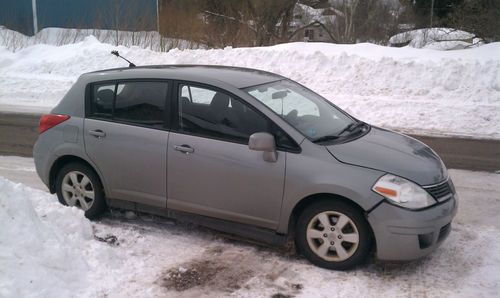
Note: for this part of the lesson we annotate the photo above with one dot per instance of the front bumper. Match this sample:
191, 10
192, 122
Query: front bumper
402, 234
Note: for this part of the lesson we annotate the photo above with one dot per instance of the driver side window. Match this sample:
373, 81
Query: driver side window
215, 114
197, 95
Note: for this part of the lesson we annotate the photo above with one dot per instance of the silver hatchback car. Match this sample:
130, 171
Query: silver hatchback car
246, 152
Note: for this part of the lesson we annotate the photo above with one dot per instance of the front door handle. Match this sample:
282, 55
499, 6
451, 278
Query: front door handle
184, 148
97, 133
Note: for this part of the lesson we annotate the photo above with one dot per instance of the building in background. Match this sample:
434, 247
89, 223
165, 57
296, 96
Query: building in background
30, 16
310, 24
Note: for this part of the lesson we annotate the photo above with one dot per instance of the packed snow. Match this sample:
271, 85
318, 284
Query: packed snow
436, 39
411, 90
41, 244
48, 250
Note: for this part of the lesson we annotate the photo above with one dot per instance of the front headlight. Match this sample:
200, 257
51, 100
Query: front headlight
403, 192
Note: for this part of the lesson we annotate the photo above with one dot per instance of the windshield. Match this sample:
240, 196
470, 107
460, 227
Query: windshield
305, 110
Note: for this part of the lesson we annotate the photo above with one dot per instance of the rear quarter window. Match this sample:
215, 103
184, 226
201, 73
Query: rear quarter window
102, 100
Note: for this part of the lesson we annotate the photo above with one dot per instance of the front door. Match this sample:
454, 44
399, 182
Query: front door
125, 137
212, 171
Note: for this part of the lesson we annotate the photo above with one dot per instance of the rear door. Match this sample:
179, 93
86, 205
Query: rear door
126, 136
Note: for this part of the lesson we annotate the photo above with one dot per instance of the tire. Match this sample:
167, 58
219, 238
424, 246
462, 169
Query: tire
314, 241
74, 190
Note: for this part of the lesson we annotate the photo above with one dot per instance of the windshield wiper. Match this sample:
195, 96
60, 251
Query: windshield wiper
351, 127
325, 138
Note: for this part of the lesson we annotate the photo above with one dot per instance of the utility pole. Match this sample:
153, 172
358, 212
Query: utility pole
158, 15
432, 11
35, 20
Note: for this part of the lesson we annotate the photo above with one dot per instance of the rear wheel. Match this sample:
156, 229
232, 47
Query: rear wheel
333, 235
78, 185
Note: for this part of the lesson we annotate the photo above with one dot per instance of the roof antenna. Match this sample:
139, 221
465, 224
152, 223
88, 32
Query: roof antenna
115, 52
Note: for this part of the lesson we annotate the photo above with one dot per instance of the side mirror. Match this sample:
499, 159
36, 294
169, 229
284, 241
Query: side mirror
263, 141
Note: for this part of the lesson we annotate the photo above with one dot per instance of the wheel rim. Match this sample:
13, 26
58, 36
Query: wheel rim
77, 190
332, 236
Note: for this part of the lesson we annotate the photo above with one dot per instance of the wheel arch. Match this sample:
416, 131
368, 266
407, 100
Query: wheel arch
318, 197
64, 160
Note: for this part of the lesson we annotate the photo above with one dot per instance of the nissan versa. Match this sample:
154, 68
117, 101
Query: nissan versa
247, 152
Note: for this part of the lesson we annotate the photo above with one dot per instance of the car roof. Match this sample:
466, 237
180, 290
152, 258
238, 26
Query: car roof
238, 77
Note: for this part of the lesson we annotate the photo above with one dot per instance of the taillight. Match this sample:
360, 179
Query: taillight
50, 120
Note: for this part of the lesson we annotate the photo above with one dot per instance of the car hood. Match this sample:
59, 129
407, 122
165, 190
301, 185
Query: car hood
393, 153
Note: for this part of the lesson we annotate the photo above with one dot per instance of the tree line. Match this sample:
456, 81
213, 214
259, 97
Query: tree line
220, 23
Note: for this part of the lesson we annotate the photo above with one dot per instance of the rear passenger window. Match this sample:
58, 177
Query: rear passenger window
141, 103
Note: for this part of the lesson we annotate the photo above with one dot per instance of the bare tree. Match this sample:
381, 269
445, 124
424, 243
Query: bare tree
250, 22
364, 20
271, 19
481, 17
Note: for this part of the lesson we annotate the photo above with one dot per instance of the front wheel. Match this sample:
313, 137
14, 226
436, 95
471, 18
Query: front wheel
333, 235
78, 185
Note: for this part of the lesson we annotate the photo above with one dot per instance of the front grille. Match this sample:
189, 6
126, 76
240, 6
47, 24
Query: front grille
439, 191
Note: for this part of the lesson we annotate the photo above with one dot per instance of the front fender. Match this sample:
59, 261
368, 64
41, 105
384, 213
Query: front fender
315, 174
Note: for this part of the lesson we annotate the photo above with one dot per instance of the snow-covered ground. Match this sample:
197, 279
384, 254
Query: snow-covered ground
407, 89
47, 250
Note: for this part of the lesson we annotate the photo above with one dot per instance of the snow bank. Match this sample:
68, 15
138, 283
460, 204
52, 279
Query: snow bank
49, 250
436, 38
152, 40
40, 244
413, 90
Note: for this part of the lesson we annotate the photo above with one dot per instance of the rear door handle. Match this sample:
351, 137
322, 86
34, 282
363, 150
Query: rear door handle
97, 133
184, 148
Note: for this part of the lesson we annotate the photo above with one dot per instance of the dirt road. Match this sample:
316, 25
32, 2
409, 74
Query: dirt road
18, 133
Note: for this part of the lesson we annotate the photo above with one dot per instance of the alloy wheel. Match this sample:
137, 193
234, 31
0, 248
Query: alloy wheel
77, 190
332, 236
